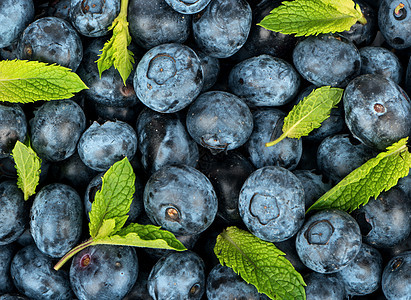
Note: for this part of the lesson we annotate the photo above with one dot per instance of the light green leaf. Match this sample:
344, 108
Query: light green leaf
107, 228
24, 81
312, 17
259, 263
114, 199
149, 236
115, 50
375, 176
309, 113
28, 168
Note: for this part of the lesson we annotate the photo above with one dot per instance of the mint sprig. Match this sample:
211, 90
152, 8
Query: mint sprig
115, 52
109, 213
309, 113
259, 263
375, 176
23, 81
312, 17
28, 168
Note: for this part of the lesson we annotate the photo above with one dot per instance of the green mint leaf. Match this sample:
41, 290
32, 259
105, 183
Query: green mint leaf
115, 50
149, 236
375, 176
107, 228
113, 200
312, 17
309, 113
28, 168
24, 81
260, 263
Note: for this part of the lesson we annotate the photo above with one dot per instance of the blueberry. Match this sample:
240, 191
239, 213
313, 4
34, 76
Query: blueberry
56, 129
211, 69
168, 77
101, 146
219, 121
327, 60
109, 89
103, 272
13, 296
6, 255
288, 247
59, 9
51, 40
92, 18
264, 81
56, 219
405, 184
222, 28
271, 204
34, 276
13, 127
396, 282
224, 283
384, 220
328, 241
13, 212
377, 111
407, 81
188, 6
163, 140
154, 22
179, 275
180, 199
394, 21
378, 60
362, 276
323, 287
268, 123
15, 16
339, 155
139, 291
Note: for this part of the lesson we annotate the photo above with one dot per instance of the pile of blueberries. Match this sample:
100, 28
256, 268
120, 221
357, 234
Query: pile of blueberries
208, 89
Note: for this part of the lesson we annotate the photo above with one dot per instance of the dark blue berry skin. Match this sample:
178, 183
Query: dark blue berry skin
384, 220
219, 121
323, 287
13, 127
154, 22
168, 78
363, 34
339, 155
211, 69
56, 129
92, 18
101, 146
271, 204
188, 6
362, 276
56, 219
264, 81
315, 185
268, 125
109, 89
51, 40
227, 173
396, 283
379, 60
13, 212
33, 275
163, 140
405, 184
103, 272
179, 275
377, 111
136, 207
407, 81
139, 291
327, 60
264, 41
6, 255
15, 16
395, 27
223, 27
59, 9
13, 296
224, 283
328, 241
180, 199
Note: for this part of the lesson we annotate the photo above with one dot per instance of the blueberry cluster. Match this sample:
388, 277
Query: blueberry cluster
208, 89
